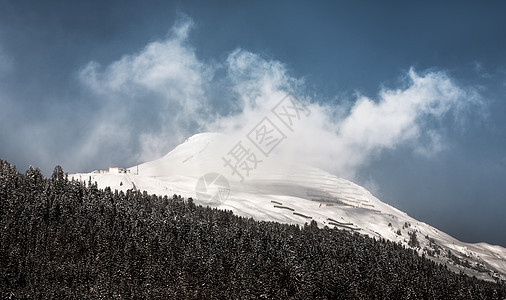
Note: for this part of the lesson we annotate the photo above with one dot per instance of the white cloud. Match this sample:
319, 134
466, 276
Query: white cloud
407, 116
164, 93
398, 117
156, 94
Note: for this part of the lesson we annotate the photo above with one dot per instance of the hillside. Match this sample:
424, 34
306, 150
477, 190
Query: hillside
280, 189
68, 239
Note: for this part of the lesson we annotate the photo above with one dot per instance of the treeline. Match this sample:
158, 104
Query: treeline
67, 239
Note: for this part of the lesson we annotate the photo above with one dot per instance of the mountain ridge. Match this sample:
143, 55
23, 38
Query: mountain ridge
289, 192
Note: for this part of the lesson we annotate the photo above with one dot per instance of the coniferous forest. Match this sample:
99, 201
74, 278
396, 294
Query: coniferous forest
67, 239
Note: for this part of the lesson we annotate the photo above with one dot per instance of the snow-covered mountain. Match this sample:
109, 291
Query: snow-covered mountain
273, 188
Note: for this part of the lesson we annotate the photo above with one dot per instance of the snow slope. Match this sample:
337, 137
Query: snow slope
283, 191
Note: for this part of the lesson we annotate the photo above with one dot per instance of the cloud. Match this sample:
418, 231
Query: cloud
342, 143
152, 100
400, 116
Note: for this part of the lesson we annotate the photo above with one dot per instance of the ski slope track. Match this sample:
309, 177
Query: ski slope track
292, 193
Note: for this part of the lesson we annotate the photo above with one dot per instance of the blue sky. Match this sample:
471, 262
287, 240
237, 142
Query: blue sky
408, 99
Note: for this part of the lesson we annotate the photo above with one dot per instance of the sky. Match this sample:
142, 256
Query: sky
407, 99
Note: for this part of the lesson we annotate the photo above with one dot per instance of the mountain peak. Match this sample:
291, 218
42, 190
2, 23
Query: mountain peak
204, 137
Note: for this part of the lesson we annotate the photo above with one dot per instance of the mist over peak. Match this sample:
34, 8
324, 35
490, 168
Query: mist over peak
165, 93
